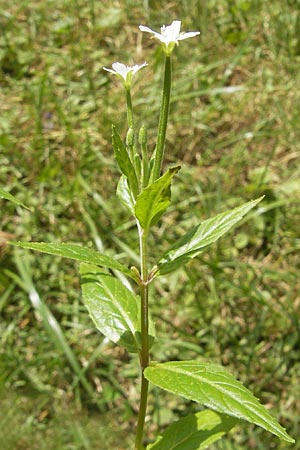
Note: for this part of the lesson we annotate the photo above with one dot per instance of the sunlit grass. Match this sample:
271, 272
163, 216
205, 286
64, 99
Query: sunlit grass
234, 125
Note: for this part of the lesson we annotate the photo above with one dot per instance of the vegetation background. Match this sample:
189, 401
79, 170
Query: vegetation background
234, 127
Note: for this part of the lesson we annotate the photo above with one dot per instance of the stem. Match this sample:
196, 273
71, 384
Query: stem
163, 120
142, 415
129, 109
130, 121
144, 354
145, 162
143, 236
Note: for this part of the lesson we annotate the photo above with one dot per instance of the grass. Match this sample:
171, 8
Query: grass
233, 126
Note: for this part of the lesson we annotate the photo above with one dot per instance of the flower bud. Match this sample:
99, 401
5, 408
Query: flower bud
143, 136
136, 274
130, 137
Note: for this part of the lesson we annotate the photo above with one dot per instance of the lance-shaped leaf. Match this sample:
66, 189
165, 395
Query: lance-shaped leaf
215, 388
201, 236
7, 196
124, 161
194, 432
152, 202
114, 309
77, 252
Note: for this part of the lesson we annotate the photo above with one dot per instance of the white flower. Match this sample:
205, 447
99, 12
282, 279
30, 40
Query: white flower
125, 73
170, 36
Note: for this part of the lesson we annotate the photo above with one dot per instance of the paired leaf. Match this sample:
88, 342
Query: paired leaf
152, 202
200, 237
76, 252
114, 309
194, 432
124, 161
7, 196
215, 388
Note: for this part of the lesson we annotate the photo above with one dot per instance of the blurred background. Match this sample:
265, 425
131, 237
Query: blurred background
234, 128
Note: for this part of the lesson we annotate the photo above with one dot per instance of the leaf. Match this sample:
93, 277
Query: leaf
215, 388
124, 161
152, 202
76, 252
114, 309
7, 196
194, 432
201, 236
124, 194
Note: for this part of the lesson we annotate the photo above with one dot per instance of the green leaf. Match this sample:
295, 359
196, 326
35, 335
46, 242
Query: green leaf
152, 202
7, 196
76, 252
195, 432
125, 195
215, 388
124, 161
200, 237
114, 309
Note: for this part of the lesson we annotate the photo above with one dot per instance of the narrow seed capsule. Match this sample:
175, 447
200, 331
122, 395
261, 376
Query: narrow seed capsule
138, 166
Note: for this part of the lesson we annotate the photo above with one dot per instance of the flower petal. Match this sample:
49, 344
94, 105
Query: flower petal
121, 69
147, 29
172, 31
138, 67
109, 70
187, 35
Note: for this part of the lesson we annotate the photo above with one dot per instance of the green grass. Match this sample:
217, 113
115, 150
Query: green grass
234, 127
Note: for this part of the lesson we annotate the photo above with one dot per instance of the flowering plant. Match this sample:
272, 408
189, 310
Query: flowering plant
124, 318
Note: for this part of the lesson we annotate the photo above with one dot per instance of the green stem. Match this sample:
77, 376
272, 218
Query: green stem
144, 353
142, 414
130, 139
130, 121
129, 109
163, 120
145, 162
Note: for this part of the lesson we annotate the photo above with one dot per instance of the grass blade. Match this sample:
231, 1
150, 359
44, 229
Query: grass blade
51, 324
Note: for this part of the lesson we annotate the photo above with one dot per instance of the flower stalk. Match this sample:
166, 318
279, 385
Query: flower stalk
145, 162
163, 120
144, 353
129, 109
